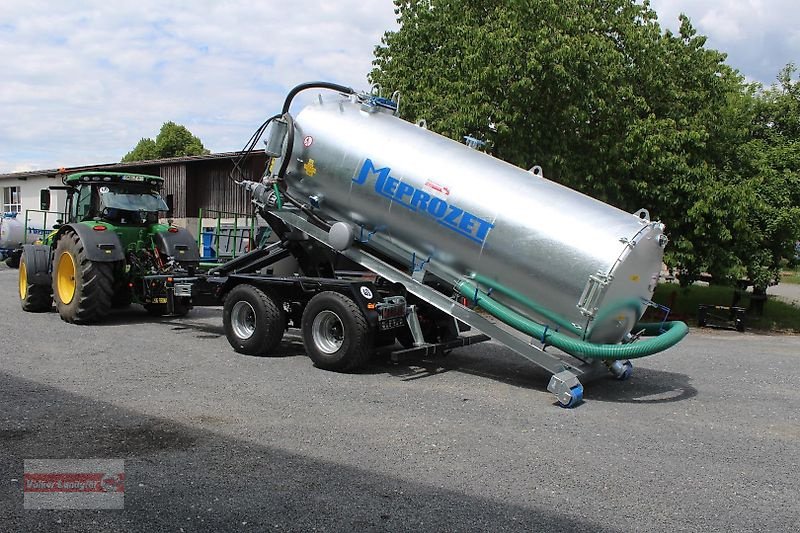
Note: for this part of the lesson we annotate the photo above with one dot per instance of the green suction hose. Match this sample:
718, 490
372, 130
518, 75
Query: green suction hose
527, 302
672, 333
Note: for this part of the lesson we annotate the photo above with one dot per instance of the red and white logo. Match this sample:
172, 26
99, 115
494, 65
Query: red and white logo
74, 484
438, 188
308, 140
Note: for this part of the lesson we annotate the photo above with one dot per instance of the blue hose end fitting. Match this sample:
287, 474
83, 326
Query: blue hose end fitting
627, 372
621, 370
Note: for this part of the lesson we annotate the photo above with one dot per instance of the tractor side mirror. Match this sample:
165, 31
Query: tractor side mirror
44, 200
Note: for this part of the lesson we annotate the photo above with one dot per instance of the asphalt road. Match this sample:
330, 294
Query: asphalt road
704, 437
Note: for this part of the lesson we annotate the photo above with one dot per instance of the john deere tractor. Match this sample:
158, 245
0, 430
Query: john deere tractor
109, 251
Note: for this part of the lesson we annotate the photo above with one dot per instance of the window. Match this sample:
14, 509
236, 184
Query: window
83, 203
11, 203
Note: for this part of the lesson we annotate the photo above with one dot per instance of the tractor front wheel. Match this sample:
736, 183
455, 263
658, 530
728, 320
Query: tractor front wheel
35, 298
13, 260
82, 289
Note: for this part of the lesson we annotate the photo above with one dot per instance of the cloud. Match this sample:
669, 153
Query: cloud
84, 81
759, 36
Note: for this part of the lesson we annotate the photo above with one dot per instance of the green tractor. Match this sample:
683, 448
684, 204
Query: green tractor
109, 251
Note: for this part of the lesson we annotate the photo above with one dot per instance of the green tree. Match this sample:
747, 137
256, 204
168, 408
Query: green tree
144, 150
173, 140
603, 99
774, 152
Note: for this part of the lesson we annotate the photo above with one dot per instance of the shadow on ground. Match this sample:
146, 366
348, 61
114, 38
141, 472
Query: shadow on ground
180, 476
503, 365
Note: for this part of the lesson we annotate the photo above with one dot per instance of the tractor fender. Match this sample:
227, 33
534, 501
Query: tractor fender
37, 263
177, 243
99, 246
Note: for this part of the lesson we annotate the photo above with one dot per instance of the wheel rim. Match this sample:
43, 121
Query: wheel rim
243, 320
23, 281
65, 278
328, 332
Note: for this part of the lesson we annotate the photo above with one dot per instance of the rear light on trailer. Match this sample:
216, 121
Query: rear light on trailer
99, 228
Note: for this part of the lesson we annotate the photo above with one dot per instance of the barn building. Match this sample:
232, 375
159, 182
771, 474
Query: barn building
191, 184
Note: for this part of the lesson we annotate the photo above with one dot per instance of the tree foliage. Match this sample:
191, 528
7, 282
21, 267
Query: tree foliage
173, 140
610, 104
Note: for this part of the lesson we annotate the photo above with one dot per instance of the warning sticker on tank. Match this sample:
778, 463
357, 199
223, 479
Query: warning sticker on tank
448, 215
310, 168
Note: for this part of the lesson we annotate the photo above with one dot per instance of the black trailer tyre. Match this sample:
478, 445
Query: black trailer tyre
82, 289
254, 323
336, 335
34, 298
13, 260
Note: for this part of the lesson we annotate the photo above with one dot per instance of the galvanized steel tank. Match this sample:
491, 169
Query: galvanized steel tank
12, 232
438, 200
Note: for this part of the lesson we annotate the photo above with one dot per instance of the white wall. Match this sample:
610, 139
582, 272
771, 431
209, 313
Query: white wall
29, 196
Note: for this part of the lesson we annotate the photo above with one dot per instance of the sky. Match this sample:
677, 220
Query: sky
82, 81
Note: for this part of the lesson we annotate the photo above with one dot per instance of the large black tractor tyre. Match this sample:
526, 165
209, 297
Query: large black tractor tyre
35, 298
254, 323
335, 332
82, 289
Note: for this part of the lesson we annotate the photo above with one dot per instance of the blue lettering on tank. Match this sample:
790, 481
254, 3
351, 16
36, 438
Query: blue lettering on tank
453, 218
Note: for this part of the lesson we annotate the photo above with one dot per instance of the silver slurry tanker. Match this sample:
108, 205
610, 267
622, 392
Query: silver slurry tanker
443, 220
542, 249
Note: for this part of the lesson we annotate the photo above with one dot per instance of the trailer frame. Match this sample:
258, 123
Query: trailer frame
426, 282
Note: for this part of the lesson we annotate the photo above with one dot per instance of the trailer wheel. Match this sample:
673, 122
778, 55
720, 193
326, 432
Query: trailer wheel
82, 289
34, 298
254, 323
336, 335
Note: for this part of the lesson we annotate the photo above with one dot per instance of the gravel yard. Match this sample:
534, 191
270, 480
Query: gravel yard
704, 437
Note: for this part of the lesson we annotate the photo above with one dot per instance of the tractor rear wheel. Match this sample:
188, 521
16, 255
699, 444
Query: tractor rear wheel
82, 289
34, 298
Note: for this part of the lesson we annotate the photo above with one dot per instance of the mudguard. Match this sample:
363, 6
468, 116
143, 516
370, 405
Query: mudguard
99, 246
37, 263
180, 244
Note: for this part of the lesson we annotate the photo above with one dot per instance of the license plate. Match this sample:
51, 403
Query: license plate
391, 323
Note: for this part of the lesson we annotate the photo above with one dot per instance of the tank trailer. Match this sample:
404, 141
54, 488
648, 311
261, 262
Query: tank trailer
401, 234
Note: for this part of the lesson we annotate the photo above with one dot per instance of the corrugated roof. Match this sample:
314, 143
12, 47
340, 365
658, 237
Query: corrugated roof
122, 166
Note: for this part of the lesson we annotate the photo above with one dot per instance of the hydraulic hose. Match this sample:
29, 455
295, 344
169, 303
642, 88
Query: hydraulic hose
287, 156
313, 85
278, 200
664, 335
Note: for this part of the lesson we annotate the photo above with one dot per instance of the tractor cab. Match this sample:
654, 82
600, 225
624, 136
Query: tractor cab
121, 199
